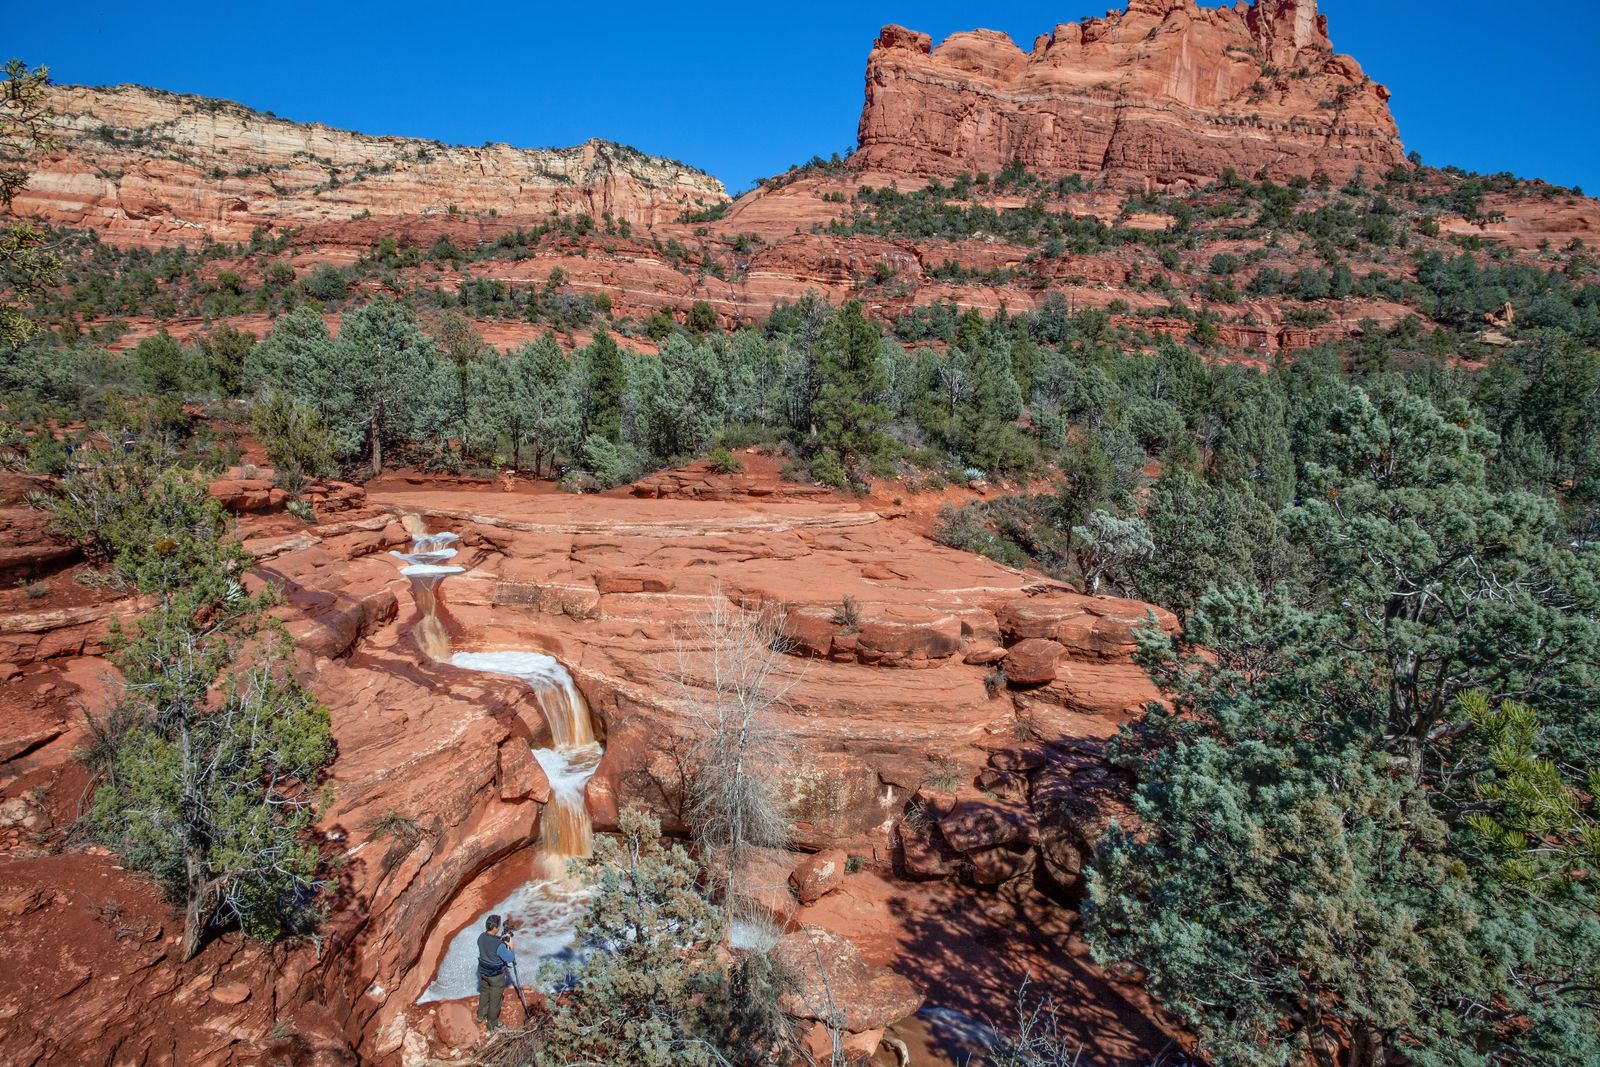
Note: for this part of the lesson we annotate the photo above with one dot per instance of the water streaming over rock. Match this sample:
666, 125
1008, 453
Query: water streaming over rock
546, 909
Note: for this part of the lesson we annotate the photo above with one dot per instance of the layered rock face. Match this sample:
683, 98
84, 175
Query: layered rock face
1165, 93
162, 167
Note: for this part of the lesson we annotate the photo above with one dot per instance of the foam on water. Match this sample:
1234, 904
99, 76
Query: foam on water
563, 705
544, 913
423, 558
429, 570
546, 909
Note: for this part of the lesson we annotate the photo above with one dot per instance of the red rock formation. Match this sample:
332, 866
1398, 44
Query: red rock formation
1166, 93
165, 168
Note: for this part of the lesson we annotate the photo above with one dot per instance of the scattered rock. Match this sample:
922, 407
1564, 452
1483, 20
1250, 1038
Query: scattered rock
230, 992
818, 875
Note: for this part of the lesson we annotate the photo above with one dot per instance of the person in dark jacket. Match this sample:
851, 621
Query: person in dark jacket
495, 956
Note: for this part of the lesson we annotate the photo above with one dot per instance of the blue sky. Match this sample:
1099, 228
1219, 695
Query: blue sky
743, 90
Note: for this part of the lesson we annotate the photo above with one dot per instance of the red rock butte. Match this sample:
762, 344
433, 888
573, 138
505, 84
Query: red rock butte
1165, 94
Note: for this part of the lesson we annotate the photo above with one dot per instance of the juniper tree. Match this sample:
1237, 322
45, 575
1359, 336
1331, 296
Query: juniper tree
1314, 874
605, 382
654, 987
297, 441
387, 384
27, 262
208, 764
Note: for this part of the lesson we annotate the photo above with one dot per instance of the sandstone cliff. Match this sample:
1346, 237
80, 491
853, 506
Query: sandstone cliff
148, 165
1166, 93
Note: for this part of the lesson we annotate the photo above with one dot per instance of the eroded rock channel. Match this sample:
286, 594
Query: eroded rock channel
929, 804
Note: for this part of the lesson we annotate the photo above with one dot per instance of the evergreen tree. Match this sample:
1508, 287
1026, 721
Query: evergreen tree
294, 356
1315, 873
849, 417
208, 765
297, 441
223, 354
160, 365
605, 383
985, 428
390, 387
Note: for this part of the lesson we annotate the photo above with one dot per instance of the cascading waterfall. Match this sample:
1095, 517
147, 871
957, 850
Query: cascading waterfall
564, 829
545, 909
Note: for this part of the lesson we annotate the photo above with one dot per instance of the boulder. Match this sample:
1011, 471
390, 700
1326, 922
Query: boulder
1007, 784
924, 853
818, 875
810, 630
1032, 662
230, 992
981, 824
911, 633
457, 1026
1074, 805
248, 495
829, 974
996, 866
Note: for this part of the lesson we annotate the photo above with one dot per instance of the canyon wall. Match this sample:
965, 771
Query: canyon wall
1166, 94
166, 168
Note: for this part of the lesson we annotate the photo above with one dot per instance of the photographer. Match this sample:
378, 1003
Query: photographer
495, 956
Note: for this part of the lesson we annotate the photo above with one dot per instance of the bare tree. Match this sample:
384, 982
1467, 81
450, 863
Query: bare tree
733, 675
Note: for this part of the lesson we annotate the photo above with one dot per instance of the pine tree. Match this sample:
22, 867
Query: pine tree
606, 383
849, 417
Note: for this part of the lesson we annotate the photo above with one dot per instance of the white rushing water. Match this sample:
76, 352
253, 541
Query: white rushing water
544, 911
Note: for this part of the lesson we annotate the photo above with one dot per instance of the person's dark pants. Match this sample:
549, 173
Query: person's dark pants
490, 992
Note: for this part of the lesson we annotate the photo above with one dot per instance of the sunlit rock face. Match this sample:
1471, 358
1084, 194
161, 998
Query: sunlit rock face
1166, 94
152, 167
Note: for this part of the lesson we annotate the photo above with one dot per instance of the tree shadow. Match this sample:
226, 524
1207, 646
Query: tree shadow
972, 949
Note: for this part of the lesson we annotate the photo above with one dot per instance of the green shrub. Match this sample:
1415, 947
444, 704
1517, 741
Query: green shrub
298, 443
827, 469
610, 463
725, 462
208, 764
654, 987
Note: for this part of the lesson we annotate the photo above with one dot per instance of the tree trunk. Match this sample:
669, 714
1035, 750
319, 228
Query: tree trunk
377, 446
197, 911
1366, 1047
1317, 1042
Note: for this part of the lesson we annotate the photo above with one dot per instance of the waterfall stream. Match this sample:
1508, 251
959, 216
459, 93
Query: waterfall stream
545, 910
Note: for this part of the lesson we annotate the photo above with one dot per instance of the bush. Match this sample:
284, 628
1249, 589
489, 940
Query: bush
208, 765
146, 518
725, 462
610, 463
827, 469
298, 442
702, 317
654, 987
327, 282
